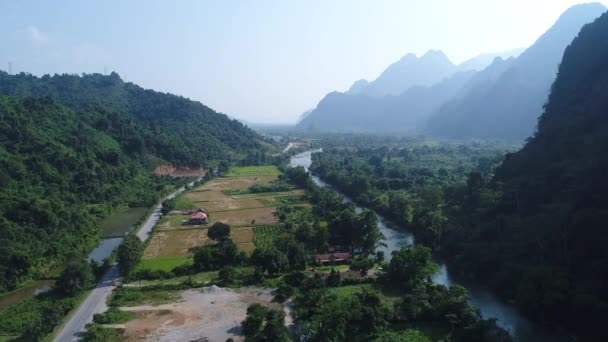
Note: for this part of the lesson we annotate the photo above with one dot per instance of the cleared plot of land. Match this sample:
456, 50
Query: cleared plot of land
246, 217
245, 171
168, 248
235, 183
217, 201
213, 313
175, 243
243, 237
179, 171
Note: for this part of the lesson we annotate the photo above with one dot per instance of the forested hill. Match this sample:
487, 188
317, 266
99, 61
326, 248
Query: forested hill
171, 127
545, 240
72, 148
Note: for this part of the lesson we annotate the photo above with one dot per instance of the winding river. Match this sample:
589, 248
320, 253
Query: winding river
490, 306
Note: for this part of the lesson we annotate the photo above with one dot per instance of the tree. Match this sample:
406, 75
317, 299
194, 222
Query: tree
270, 260
76, 277
218, 231
361, 264
411, 265
333, 280
274, 329
256, 313
223, 167
129, 253
227, 275
213, 257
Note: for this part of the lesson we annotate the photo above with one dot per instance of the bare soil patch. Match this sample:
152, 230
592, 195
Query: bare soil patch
212, 312
243, 237
246, 217
179, 171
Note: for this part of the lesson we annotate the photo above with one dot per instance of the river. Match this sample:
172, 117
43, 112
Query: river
520, 328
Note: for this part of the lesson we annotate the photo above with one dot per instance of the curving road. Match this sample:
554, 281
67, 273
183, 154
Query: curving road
96, 300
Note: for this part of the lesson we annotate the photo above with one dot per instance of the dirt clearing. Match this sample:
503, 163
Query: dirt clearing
212, 312
179, 171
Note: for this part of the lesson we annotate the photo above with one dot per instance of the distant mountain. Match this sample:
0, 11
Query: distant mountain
543, 240
409, 71
483, 60
508, 106
362, 113
357, 87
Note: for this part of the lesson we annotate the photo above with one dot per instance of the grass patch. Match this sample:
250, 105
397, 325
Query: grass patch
350, 290
98, 333
129, 296
203, 277
327, 268
182, 203
246, 171
113, 316
163, 264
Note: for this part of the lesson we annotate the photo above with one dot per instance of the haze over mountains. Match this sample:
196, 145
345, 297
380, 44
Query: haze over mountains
430, 94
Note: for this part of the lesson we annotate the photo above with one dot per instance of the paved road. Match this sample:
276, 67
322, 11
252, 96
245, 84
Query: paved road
96, 301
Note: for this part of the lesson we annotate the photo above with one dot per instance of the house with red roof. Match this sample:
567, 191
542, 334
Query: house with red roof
333, 258
198, 217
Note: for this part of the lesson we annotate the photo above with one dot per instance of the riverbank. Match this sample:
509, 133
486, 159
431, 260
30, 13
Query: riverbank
489, 304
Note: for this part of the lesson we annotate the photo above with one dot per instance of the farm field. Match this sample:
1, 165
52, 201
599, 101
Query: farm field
245, 171
175, 243
243, 217
250, 215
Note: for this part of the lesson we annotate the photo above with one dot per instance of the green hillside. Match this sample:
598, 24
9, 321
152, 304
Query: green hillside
72, 148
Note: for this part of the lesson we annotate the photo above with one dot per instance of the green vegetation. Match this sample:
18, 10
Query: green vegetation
34, 318
265, 235
263, 324
129, 254
249, 171
113, 316
218, 231
72, 148
121, 219
165, 264
129, 296
76, 277
97, 333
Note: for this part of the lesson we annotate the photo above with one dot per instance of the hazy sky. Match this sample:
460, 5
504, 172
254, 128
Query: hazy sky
263, 61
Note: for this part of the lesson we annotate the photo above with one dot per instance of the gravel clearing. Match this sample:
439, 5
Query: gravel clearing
211, 314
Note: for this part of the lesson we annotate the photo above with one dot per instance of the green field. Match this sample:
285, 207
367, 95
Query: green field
203, 277
248, 171
121, 220
163, 264
265, 235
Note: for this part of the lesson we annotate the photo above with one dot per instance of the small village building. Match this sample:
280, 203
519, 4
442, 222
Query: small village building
333, 258
198, 217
